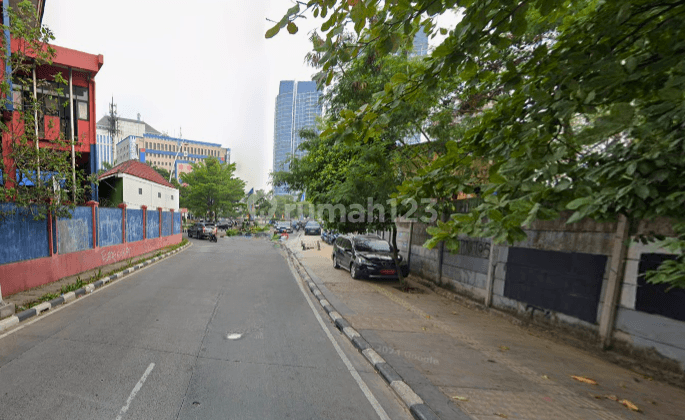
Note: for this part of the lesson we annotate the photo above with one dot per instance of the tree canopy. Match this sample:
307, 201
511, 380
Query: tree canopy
212, 188
557, 105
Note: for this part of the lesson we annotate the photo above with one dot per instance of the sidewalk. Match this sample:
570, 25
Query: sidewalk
466, 363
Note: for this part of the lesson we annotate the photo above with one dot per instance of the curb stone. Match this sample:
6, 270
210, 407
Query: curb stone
39, 309
411, 399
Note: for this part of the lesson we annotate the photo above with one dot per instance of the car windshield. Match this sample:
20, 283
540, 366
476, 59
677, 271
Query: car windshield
371, 245
312, 225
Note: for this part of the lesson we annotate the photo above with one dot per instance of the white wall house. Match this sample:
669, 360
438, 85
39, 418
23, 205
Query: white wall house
136, 184
141, 192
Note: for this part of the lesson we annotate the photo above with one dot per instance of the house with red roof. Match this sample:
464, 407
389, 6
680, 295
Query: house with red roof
136, 184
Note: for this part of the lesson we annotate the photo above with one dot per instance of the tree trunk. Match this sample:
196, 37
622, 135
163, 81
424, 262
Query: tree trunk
395, 252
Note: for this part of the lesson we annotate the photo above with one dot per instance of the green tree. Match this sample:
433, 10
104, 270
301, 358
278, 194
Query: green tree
578, 107
212, 189
167, 175
350, 178
46, 182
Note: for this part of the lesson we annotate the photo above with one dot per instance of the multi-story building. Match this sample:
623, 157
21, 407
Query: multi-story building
126, 127
137, 140
103, 145
127, 149
67, 112
420, 49
176, 155
297, 107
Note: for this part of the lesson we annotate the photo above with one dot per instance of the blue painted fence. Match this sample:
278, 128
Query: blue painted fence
75, 234
177, 223
110, 227
166, 220
134, 225
22, 238
152, 224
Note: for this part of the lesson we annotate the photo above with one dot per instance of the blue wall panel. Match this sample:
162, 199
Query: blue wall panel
166, 227
177, 223
134, 225
110, 227
75, 234
152, 224
22, 238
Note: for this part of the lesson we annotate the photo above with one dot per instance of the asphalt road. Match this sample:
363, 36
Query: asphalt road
218, 331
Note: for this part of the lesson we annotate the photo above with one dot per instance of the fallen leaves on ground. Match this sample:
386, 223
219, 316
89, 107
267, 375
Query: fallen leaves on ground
454, 312
630, 405
584, 380
611, 397
545, 377
503, 348
458, 398
504, 416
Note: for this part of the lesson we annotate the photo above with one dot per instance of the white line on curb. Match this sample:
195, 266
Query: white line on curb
362, 385
136, 388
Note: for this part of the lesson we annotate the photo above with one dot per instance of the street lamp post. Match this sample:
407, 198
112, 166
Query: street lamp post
185, 154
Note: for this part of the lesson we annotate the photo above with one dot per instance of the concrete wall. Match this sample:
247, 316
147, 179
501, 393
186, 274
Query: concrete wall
641, 329
141, 192
21, 236
110, 230
152, 224
26, 260
77, 232
466, 272
177, 222
134, 225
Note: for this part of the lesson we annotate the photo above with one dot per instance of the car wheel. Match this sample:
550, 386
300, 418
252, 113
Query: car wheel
335, 262
353, 272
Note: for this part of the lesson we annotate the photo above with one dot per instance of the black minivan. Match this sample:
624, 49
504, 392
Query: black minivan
366, 256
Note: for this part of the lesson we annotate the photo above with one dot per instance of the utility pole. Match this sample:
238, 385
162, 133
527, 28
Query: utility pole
113, 129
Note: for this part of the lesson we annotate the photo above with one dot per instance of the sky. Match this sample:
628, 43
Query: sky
199, 68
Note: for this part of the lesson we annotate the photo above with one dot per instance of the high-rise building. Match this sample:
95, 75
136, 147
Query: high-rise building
420, 49
297, 106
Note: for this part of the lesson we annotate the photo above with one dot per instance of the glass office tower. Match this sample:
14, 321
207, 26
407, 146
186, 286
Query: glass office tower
297, 107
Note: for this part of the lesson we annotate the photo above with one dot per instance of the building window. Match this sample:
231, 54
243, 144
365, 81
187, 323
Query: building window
159, 195
140, 191
172, 196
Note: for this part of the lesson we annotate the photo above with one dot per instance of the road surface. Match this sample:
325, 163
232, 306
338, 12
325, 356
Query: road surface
219, 331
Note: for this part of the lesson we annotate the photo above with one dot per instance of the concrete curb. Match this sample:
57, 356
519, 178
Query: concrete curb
15, 319
411, 399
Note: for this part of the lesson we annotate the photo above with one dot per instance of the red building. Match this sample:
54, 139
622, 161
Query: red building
74, 106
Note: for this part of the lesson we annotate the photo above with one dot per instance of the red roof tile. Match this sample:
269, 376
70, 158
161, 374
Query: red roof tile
140, 170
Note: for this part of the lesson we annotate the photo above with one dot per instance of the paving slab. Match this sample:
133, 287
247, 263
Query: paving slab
484, 365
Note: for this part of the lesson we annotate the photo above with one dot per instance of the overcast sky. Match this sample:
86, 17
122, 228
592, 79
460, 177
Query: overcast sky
202, 65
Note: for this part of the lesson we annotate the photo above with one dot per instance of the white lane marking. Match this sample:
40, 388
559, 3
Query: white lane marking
136, 388
362, 385
234, 336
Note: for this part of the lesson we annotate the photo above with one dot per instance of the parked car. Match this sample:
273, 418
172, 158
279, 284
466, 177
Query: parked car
366, 256
295, 225
284, 227
332, 236
312, 228
201, 230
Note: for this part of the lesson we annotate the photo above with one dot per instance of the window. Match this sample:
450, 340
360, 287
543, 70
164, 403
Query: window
172, 196
140, 191
159, 195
